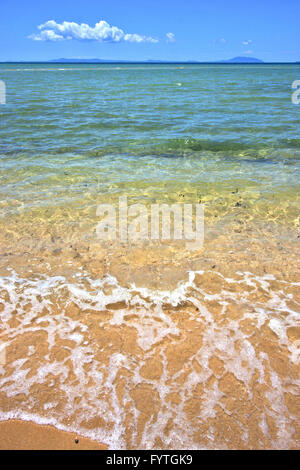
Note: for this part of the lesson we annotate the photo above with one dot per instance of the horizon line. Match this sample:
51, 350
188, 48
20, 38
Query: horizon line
148, 61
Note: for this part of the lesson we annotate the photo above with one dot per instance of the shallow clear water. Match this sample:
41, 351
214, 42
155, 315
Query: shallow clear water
71, 130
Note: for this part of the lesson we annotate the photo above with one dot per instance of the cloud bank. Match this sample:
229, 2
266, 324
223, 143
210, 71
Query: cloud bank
102, 32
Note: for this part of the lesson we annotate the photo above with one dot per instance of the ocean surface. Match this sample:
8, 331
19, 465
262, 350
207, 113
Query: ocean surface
149, 345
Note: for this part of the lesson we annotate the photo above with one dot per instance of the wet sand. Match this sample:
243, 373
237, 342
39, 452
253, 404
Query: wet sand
22, 435
151, 347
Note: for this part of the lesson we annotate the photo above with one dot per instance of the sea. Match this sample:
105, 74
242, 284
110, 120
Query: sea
144, 343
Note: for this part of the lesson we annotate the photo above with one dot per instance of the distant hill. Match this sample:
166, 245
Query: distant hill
241, 60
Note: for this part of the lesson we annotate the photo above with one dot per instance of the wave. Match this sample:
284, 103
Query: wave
121, 364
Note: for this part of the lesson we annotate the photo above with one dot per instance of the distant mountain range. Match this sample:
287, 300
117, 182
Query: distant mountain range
235, 60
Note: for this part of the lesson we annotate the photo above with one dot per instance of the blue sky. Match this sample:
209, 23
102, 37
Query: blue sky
150, 29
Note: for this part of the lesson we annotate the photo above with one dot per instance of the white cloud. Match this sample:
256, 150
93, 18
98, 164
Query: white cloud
102, 31
219, 41
248, 52
246, 43
170, 37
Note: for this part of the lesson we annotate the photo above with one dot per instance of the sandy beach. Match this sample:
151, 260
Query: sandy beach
23, 435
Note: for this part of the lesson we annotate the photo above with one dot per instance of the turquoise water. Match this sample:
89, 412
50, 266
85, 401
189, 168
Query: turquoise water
69, 129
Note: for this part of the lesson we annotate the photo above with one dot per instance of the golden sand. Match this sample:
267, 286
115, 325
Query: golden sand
206, 360
22, 435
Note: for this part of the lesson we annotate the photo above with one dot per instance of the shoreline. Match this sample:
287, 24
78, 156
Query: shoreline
17, 434
118, 343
